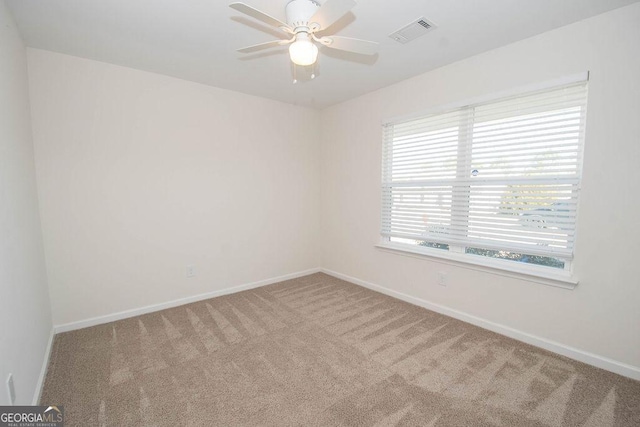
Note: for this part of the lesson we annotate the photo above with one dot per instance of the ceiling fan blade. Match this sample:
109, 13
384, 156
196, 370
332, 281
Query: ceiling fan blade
363, 47
260, 16
262, 46
330, 12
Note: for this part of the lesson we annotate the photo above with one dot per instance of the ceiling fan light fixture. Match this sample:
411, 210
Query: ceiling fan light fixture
303, 51
305, 20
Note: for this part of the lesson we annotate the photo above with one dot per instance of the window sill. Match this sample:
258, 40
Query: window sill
560, 279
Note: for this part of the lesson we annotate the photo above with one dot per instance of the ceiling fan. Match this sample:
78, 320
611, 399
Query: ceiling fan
306, 18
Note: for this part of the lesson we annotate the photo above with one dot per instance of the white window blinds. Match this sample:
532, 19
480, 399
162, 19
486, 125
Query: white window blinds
502, 175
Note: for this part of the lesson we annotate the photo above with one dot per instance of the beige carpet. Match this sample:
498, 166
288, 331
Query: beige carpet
318, 351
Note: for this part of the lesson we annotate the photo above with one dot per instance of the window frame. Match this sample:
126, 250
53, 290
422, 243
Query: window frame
456, 255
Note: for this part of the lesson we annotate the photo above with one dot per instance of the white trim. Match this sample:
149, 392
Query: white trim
170, 304
43, 371
520, 90
555, 347
530, 273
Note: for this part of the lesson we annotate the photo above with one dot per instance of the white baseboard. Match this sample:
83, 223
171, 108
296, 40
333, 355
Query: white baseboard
43, 370
182, 301
564, 350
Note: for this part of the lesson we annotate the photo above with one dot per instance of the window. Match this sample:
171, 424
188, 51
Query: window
493, 180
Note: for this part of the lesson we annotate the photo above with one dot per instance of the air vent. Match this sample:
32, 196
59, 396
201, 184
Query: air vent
417, 28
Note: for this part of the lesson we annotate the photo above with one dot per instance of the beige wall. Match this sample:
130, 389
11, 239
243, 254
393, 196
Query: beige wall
140, 175
602, 315
25, 316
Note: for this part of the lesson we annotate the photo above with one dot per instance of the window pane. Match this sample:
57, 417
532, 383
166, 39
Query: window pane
523, 137
423, 149
434, 245
514, 256
420, 212
536, 215
424, 243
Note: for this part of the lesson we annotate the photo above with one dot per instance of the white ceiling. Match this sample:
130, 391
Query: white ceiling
196, 39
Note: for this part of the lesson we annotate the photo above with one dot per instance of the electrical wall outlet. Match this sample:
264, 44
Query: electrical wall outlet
11, 390
191, 270
442, 278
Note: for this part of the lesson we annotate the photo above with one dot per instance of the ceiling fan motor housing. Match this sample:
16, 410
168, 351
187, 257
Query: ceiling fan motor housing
299, 12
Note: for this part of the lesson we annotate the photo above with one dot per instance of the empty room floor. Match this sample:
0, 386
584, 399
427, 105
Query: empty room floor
321, 351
